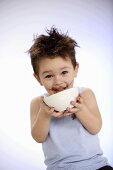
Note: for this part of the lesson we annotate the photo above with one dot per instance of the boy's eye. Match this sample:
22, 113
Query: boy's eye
64, 72
48, 76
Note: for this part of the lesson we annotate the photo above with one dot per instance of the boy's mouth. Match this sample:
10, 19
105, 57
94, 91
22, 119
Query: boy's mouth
56, 90
61, 87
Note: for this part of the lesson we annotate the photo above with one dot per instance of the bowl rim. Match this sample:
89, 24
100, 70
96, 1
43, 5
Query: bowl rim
55, 94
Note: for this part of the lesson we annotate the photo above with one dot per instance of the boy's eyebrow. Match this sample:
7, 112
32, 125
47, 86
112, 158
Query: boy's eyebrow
45, 72
49, 71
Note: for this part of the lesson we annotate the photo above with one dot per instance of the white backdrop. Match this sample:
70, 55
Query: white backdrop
90, 22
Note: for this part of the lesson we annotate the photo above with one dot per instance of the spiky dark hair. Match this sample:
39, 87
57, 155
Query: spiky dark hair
54, 44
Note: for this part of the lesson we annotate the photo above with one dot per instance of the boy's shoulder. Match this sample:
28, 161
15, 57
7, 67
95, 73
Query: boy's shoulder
35, 99
87, 93
83, 90
35, 102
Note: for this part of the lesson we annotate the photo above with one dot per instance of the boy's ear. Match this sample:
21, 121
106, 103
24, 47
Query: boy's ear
76, 69
37, 78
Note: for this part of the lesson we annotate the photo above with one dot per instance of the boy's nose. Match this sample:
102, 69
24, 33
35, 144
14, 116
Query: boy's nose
57, 80
58, 83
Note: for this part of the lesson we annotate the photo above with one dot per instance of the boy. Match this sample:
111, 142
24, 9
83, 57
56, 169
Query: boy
68, 144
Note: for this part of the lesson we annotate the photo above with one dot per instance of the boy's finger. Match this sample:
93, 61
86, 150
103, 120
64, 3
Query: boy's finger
57, 114
73, 110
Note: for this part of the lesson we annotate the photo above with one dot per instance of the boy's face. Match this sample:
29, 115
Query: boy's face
56, 74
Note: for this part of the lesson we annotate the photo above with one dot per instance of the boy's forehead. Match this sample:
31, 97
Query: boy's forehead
55, 60
53, 64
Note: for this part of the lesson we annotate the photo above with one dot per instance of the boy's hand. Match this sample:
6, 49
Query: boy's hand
78, 105
50, 111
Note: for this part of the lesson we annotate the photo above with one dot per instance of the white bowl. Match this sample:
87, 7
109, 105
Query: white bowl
61, 100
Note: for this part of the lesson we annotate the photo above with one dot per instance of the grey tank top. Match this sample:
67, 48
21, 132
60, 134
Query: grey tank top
69, 146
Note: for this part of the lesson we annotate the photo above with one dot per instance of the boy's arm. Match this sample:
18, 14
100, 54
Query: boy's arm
91, 117
40, 115
40, 121
87, 111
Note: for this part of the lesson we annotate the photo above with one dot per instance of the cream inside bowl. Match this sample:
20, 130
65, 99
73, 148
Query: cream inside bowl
61, 100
